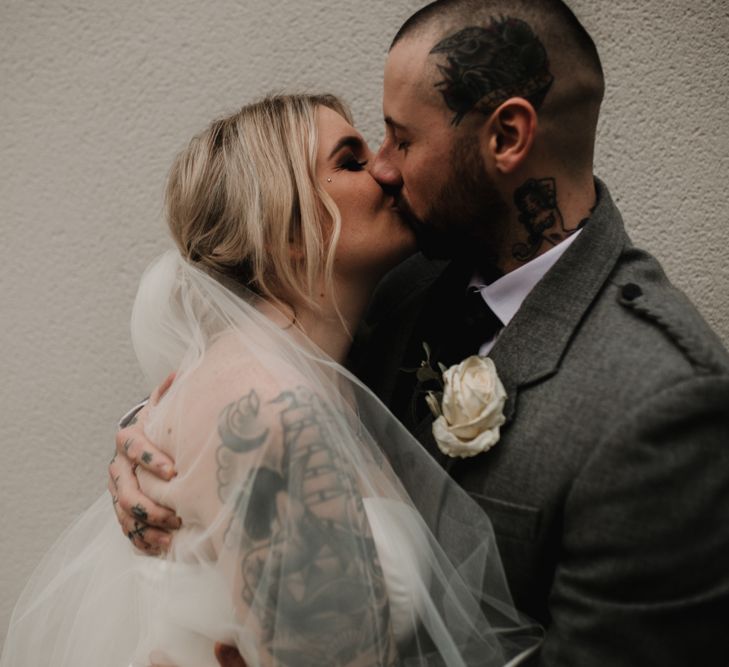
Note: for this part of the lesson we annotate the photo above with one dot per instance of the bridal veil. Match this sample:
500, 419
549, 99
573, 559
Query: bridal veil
316, 530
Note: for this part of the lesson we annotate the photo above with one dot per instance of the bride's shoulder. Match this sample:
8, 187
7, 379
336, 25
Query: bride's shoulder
233, 388
230, 369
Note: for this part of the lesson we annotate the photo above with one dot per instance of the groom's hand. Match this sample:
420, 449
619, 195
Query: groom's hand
143, 521
228, 656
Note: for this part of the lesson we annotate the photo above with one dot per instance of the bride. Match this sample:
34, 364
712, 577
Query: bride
313, 525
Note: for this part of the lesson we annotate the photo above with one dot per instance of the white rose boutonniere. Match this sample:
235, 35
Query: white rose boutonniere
469, 417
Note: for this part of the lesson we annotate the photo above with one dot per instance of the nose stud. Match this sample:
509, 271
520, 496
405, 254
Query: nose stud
329, 180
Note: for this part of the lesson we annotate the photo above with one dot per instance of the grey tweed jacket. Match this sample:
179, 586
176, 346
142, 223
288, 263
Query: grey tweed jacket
609, 487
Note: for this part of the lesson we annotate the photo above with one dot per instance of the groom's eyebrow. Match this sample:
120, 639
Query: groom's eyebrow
352, 142
394, 124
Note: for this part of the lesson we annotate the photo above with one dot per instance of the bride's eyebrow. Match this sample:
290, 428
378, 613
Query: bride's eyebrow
352, 141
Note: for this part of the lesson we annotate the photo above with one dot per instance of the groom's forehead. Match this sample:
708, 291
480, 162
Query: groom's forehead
409, 70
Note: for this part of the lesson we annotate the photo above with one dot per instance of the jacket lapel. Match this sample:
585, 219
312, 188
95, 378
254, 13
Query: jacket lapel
531, 348
437, 324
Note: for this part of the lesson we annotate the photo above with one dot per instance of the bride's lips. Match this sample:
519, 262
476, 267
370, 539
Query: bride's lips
401, 208
397, 210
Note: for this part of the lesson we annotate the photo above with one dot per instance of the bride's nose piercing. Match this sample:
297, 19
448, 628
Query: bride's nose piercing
329, 180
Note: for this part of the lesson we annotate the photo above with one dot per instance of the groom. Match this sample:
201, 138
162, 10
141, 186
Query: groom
609, 486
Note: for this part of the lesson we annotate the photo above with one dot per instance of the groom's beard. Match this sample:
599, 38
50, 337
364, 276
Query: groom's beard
467, 217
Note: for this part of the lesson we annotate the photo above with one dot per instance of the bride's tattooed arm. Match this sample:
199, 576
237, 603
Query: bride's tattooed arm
308, 565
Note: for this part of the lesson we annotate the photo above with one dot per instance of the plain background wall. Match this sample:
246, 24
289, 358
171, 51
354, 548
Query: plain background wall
97, 96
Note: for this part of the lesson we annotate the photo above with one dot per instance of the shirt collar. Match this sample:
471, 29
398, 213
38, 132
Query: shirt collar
505, 295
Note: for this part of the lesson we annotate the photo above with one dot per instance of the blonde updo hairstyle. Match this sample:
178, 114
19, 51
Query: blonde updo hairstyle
243, 199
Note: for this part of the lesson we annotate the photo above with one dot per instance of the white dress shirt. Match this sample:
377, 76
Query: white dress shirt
505, 295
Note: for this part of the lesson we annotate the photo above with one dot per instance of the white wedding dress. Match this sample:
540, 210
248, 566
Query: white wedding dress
316, 531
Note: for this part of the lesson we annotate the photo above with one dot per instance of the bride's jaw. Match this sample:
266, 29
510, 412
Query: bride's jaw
332, 323
343, 300
371, 238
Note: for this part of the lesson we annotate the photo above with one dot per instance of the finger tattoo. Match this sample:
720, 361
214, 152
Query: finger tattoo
138, 512
138, 531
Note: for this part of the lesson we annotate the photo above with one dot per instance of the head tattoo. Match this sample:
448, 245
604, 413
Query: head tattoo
486, 66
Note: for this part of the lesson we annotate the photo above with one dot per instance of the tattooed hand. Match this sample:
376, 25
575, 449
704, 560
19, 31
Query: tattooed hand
144, 522
228, 656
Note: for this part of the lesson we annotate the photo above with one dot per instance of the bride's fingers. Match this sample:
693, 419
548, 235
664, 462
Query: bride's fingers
131, 503
132, 444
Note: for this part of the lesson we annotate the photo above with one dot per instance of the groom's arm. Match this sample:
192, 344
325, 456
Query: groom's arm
643, 577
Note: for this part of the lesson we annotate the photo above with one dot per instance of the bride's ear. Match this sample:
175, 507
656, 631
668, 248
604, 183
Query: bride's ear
228, 656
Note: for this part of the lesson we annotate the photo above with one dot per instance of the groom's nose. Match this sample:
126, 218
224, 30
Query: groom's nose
385, 172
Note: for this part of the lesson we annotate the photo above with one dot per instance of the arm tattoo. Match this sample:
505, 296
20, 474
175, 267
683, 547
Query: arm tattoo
487, 66
239, 432
536, 201
309, 568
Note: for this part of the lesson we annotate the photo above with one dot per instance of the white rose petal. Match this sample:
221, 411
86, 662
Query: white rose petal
451, 445
433, 404
472, 408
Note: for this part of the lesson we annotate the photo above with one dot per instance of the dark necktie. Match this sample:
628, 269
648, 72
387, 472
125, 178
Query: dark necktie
480, 322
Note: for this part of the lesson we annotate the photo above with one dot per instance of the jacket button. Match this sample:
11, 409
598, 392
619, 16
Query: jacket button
631, 292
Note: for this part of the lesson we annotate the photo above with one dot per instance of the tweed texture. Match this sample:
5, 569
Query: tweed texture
609, 488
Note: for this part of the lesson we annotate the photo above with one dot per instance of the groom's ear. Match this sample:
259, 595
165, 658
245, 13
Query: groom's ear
228, 656
508, 135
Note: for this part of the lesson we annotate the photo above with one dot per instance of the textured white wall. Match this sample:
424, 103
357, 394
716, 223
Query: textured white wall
96, 98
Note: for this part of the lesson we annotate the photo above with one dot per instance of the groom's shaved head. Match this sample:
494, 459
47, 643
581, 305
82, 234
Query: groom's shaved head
482, 52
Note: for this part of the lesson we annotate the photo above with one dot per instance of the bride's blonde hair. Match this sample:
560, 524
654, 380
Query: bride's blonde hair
243, 198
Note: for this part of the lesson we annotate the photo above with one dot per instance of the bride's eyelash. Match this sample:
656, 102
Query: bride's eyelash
351, 163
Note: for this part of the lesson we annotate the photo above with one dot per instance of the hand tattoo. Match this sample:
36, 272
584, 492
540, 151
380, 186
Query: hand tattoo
138, 512
138, 531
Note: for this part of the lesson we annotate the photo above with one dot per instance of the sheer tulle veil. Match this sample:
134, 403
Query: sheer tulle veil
316, 530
